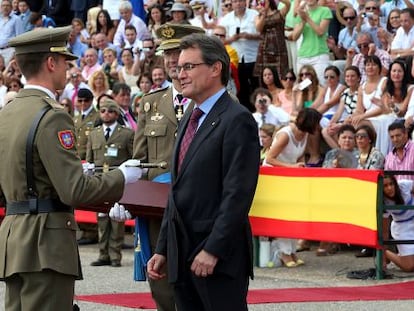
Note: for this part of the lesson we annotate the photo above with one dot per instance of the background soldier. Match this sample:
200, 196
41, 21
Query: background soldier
40, 258
157, 126
109, 145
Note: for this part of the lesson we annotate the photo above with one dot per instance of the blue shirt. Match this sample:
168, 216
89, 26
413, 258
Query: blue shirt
208, 104
346, 40
9, 28
25, 17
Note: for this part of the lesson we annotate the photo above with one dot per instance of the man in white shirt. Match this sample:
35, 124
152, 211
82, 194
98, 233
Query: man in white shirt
243, 36
403, 43
128, 18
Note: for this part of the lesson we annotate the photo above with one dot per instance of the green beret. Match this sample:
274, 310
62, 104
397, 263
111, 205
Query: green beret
171, 34
43, 40
109, 104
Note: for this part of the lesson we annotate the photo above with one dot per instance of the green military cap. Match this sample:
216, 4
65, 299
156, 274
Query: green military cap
43, 40
109, 104
171, 34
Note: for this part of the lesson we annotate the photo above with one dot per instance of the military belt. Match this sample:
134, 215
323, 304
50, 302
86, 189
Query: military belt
37, 206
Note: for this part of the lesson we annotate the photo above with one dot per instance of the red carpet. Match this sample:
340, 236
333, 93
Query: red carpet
395, 291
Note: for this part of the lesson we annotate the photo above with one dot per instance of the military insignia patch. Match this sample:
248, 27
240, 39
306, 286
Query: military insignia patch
167, 32
66, 138
147, 107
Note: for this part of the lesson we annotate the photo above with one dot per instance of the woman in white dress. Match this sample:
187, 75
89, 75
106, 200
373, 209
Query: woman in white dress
287, 150
130, 70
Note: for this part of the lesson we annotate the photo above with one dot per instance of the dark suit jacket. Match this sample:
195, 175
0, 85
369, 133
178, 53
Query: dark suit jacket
212, 194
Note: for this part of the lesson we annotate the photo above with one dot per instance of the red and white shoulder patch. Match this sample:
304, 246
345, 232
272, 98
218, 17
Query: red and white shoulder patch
67, 139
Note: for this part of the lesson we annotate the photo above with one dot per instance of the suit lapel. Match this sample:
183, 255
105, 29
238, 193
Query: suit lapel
209, 124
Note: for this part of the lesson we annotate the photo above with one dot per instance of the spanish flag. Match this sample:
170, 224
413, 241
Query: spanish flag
338, 205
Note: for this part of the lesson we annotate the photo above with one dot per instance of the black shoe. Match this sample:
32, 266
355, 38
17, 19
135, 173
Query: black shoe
86, 241
115, 263
100, 262
365, 252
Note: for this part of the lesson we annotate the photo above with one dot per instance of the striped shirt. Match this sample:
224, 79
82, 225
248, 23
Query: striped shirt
406, 163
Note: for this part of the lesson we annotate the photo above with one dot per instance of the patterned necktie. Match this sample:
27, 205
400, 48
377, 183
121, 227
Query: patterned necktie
131, 121
108, 131
189, 134
263, 118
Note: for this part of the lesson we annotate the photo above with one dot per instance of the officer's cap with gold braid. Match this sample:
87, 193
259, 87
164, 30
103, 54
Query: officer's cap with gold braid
43, 40
110, 104
171, 34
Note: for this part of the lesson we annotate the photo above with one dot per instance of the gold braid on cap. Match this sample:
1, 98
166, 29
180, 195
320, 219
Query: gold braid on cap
58, 49
167, 32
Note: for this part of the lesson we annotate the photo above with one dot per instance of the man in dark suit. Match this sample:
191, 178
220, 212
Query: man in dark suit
205, 233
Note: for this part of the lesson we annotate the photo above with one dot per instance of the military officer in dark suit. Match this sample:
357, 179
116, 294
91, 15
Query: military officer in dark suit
85, 121
205, 236
160, 114
39, 258
109, 144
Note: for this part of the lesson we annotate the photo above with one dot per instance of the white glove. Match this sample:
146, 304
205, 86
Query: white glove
119, 213
88, 168
131, 171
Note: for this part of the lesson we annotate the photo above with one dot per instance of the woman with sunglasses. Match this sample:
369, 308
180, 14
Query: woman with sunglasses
304, 97
284, 98
402, 226
369, 157
270, 23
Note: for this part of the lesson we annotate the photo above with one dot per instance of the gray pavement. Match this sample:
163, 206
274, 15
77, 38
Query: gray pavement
317, 272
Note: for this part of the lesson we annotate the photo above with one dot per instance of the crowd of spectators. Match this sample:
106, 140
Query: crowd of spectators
351, 61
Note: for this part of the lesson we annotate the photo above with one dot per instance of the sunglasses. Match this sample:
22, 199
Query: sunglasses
220, 35
83, 100
289, 78
307, 74
349, 18
103, 110
227, 5
370, 8
361, 135
329, 77
362, 46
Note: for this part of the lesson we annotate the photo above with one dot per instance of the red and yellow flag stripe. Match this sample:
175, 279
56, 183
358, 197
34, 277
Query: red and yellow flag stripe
337, 205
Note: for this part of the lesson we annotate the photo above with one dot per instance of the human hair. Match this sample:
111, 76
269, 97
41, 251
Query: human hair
212, 51
31, 64
390, 29
276, 79
365, 34
101, 98
372, 135
390, 87
110, 50
272, 5
334, 69
67, 103
96, 74
346, 128
130, 27
314, 87
398, 198
150, 21
125, 5
142, 76
409, 11
129, 50
308, 120
34, 17
268, 128
120, 87
354, 69
109, 22
79, 21
397, 125
373, 59
260, 91
291, 71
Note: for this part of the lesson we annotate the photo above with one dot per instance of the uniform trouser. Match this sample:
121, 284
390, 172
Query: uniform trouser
162, 291
47, 291
111, 237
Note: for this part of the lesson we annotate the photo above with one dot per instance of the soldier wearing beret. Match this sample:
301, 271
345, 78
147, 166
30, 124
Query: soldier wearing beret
157, 126
39, 254
109, 144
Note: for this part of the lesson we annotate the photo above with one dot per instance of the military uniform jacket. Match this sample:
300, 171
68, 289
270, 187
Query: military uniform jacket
157, 129
32, 243
82, 130
113, 152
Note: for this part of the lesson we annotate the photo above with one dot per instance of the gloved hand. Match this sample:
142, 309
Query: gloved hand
131, 171
119, 213
88, 168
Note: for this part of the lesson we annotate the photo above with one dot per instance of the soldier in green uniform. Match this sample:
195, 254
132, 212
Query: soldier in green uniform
84, 121
109, 144
39, 258
157, 126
